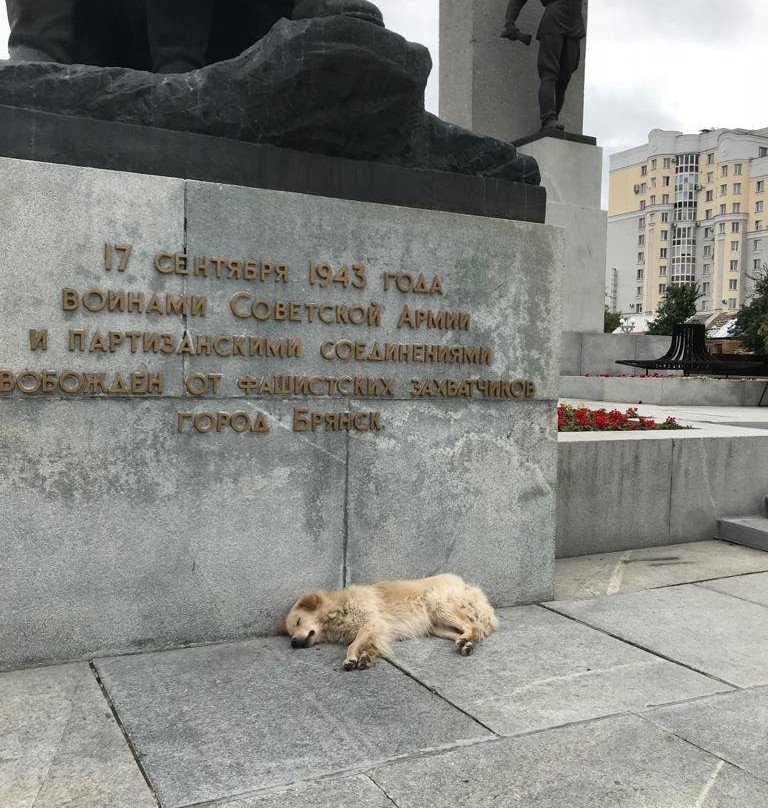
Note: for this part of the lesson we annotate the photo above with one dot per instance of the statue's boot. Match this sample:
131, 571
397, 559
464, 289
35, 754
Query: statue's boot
41, 30
363, 10
179, 31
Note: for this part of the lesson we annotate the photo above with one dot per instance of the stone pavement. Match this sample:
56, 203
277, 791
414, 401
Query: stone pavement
653, 696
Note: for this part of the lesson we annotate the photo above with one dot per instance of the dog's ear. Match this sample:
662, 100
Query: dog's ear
282, 628
311, 601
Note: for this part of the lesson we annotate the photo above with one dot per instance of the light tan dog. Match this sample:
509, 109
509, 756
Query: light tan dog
369, 618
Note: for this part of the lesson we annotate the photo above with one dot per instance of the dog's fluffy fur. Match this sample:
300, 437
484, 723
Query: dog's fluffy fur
369, 618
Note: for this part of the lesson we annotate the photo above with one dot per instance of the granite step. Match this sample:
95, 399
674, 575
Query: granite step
750, 531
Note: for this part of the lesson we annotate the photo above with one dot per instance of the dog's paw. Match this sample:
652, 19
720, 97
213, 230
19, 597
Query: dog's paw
361, 664
465, 646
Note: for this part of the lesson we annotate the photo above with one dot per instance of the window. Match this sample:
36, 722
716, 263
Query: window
710, 176
662, 288
710, 196
708, 213
759, 206
758, 224
707, 250
639, 291
736, 187
663, 270
735, 265
709, 232
654, 163
665, 181
756, 264
723, 171
663, 252
722, 210
665, 217
733, 285
724, 190
665, 199
760, 187
640, 257
664, 235
732, 302
667, 162
735, 227
642, 204
735, 246
705, 287
705, 270
756, 244
762, 151
711, 159
639, 274
737, 170
721, 229
641, 240
643, 171
641, 223
653, 182
653, 199
737, 207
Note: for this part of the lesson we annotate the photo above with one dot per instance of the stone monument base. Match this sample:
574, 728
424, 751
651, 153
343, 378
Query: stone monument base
214, 397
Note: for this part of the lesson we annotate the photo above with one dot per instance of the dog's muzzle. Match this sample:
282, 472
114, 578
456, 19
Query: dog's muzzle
301, 642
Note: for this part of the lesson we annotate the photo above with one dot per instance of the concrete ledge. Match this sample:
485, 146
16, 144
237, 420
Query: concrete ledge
597, 353
623, 491
701, 392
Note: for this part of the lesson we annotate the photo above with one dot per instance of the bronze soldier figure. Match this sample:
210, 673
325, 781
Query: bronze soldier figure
560, 33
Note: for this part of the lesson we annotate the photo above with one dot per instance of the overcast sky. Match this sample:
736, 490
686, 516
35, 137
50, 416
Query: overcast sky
704, 68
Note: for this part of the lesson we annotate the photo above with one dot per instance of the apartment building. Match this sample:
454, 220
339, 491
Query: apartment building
687, 208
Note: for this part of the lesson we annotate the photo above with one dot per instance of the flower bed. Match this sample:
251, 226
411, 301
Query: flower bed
582, 419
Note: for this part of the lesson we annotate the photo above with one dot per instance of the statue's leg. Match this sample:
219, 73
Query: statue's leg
41, 30
179, 31
550, 51
569, 64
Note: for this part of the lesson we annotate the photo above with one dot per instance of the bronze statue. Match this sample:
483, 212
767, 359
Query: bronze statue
560, 33
164, 36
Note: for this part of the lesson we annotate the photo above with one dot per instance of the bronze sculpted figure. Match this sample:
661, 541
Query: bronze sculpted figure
560, 33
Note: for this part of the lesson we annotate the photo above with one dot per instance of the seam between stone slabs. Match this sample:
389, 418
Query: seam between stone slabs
709, 752
345, 522
641, 647
700, 584
442, 697
125, 735
380, 788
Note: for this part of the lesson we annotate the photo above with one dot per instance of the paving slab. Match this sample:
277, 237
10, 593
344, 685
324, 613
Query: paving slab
733, 726
359, 791
217, 722
60, 746
746, 587
542, 670
619, 762
713, 633
652, 568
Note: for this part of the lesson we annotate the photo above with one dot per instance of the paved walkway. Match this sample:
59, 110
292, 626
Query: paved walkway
655, 696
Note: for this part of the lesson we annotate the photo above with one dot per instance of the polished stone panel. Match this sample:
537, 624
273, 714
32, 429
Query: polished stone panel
542, 670
225, 720
60, 747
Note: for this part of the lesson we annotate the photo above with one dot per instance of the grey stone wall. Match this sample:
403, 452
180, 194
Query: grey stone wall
119, 532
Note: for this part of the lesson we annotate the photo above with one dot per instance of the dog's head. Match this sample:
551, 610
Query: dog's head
305, 621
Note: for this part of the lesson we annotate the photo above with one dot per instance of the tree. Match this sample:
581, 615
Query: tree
754, 316
677, 305
611, 321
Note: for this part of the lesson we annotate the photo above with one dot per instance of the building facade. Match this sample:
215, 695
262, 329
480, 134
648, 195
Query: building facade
687, 208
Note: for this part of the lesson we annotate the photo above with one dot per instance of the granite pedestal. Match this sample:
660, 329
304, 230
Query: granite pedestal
214, 397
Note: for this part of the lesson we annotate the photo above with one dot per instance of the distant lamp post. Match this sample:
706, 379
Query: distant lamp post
626, 324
